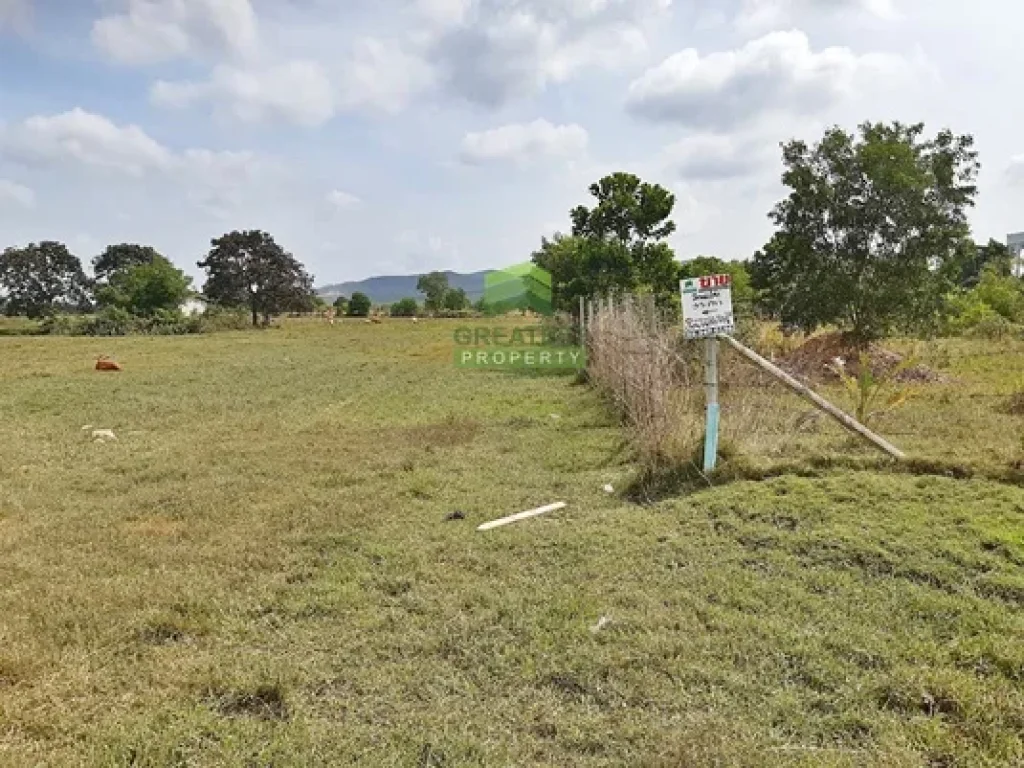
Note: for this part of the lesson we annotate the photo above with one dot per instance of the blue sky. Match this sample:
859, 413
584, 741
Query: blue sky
401, 136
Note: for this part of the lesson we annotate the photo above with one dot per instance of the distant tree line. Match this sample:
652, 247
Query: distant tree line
246, 270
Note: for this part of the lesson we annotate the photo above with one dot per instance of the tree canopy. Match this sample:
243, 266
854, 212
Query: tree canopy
145, 288
405, 308
616, 246
120, 257
434, 287
249, 269
873, 230
359, 305
41, 279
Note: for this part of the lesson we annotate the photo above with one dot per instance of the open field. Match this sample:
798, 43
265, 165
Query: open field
260, 571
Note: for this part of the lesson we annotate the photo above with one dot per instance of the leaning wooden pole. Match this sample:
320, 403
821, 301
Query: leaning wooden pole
821, 403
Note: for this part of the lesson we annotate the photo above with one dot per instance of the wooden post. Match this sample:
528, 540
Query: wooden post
711, 388
583, 322
819, 402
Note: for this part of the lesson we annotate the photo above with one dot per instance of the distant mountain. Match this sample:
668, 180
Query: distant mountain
384, 290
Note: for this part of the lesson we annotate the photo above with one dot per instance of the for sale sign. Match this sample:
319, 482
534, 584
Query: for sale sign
707, 306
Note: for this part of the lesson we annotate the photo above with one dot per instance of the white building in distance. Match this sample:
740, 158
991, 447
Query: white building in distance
1015, 243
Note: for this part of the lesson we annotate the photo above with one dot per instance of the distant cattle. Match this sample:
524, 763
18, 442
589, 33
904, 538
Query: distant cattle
104, 363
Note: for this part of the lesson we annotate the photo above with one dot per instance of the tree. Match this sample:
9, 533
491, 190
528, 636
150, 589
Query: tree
359, 305
616, 246
435, 287
341, 305
250, 269
455, 299
39, 280
405, 308
142, 289
871, 235
977, 258
119, 257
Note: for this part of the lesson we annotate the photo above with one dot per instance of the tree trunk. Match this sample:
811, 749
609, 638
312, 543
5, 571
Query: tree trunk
255, 316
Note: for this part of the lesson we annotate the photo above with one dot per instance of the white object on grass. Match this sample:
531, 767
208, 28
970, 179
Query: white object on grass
521, 516
104, 434
603, 622
609, 488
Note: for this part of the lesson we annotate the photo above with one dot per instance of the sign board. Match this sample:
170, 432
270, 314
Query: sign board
707, 306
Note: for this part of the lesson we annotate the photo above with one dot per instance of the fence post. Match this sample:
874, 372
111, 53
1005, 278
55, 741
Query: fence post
711, 388
583, 322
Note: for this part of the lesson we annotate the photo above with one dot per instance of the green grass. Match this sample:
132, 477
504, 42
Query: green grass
261, 572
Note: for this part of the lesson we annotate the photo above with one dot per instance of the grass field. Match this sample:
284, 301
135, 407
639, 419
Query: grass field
261, 571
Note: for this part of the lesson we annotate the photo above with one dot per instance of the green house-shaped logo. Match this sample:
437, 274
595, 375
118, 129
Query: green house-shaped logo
524, 286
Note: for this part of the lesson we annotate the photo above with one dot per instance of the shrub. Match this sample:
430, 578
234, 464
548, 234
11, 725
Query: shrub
404, 308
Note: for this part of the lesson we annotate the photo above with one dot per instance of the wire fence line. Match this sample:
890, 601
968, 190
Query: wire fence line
655, 379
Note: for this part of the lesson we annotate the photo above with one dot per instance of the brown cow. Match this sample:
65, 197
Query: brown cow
104, 363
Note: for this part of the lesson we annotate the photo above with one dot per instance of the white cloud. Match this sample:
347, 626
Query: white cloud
297, 91
523, 142
152, 31
16, 194
382, 75
493, 51
342, 200
775, 73
92, 142
768, 14
86, 138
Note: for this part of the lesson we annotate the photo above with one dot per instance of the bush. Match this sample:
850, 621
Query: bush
114, 321
404, 308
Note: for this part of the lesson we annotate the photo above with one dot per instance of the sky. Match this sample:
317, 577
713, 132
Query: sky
400, 136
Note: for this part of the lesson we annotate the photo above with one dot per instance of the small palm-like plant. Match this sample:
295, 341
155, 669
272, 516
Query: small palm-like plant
873, 394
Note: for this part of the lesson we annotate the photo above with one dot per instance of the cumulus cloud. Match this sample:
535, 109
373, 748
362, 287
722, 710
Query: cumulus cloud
81, 139
776, 73
298, 91
12, 193
382, 75
86, 138
491, 51
523, 142
153, 31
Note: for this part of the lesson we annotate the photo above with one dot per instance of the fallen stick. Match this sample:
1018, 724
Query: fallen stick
521, 516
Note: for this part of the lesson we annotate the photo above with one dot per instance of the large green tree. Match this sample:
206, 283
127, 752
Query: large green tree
122, 256
872, 233
142, 289
434, 287
249, 269
41, 279
994, 256
618, 245
359, 305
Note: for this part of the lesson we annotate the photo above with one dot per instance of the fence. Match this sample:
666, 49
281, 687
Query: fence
655, 380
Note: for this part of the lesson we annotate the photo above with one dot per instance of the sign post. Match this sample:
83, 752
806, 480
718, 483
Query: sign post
707, 312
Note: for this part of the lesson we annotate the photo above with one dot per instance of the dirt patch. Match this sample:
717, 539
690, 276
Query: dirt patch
815, 360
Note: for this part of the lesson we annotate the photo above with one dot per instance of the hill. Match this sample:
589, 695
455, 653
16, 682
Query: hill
385, 289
